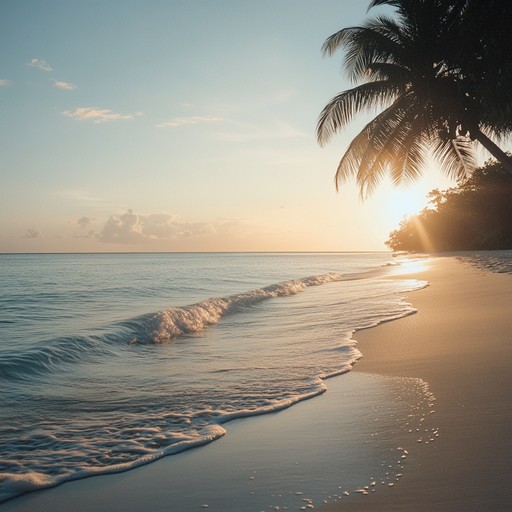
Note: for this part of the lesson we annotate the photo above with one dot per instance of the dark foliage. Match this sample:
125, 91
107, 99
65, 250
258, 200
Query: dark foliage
484, 59
475, 215
438, 76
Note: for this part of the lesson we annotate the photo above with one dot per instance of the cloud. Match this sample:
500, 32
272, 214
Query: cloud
40, 64
184, 121
130, 228
78, 196
84, 222
85, 231
33, 233
64, 85
4, 83
98, 115
125, 228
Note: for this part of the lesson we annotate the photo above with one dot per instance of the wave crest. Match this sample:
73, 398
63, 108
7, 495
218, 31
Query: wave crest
171, 323
161, 327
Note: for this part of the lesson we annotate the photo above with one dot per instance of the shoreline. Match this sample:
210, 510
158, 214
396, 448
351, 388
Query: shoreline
463, 321
459, 342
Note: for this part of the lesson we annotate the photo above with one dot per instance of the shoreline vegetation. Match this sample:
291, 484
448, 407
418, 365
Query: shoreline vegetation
475, 215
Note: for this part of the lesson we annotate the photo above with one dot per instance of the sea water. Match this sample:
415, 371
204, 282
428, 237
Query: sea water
111, 361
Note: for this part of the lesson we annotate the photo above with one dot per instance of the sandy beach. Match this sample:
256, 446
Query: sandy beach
459, 342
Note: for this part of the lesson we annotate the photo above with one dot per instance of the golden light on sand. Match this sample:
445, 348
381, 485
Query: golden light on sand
412, 266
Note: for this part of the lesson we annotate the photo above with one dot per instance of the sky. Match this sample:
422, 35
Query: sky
180, 125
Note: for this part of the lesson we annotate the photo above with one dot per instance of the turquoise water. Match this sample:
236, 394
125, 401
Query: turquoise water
111, 361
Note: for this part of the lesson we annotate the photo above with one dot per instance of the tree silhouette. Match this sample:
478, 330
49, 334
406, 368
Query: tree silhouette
430, 93
475, 215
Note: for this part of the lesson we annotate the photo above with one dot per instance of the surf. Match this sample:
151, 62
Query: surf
154, 328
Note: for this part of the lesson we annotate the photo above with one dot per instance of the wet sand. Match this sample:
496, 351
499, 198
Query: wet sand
460, 342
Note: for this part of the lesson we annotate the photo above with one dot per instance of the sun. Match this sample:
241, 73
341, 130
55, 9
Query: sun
390, 204
400, 202
407, 202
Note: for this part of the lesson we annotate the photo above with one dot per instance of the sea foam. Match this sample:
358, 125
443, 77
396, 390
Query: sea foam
160, 327
121, 393
167, 325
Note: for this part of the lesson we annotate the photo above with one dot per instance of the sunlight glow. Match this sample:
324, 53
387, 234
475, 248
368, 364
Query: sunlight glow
405, 202
411, 266
204, 161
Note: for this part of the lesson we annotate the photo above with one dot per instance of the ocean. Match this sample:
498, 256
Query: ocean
112, 361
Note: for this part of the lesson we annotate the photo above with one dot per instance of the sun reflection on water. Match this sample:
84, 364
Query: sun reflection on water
411, 266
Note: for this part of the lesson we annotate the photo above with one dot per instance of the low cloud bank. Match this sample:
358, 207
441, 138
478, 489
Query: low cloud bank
130, 228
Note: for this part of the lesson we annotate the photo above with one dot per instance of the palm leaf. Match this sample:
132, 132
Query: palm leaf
364, 150
340, 110
456, 156
363, 46
395, 148
410, 67
394, 73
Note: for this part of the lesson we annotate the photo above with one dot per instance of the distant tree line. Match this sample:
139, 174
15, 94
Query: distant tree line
475, 215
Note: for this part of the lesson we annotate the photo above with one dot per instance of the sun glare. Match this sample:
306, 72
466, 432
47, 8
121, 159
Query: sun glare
407, 202
411, 266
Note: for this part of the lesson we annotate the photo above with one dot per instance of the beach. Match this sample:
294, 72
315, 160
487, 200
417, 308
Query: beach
450, 362
460, 343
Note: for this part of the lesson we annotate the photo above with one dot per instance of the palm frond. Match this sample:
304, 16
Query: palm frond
337, 40
456, 156
392, 143
394, 73
376, 3
410, 66
376, 41
395, 148
350, 163
370, 147
411, 161
371, 44
340, 110
360, 147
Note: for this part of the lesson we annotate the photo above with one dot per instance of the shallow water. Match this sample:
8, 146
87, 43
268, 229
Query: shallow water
109, 362
356, 438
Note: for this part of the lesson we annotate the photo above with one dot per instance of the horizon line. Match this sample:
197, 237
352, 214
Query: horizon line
192, 252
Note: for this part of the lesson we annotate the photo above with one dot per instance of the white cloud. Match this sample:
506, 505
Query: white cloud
40, 64
98, 115
32, 233
64, 85
85, 225
184, 121
130, 228
4, 83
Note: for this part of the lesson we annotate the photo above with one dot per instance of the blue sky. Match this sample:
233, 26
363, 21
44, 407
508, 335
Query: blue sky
152, 125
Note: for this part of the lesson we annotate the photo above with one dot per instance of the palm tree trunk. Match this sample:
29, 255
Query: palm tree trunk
495, 151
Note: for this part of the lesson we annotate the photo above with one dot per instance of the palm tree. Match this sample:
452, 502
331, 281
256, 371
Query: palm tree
484, 59
406, 69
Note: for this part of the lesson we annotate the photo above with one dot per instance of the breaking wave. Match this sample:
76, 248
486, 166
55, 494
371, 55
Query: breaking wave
161, 327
